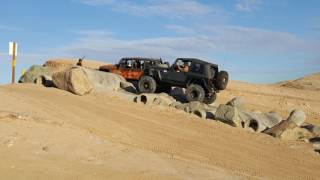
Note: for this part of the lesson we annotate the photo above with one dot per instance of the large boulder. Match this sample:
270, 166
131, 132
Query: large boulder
73, 80
228, 114
35, 73
81, 81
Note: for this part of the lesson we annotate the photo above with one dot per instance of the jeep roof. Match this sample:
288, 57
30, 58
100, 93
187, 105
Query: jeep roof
196, 61
142, 58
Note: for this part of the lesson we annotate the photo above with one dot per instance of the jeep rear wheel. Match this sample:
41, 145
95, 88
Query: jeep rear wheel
222, 80
210, 98
147, 84
195, 92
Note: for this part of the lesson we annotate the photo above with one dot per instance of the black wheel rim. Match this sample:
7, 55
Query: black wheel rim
194, 94
146, 85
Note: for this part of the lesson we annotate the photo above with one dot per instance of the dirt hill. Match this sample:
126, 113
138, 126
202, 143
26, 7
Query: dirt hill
47, 133
50, 133
311, 82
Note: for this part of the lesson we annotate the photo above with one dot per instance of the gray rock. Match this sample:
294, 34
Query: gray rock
236, 102
127, 86
162, 99
200, 113
279, 129
297, 116
34, 73
255, 121
195, 105
316, 130
228, 114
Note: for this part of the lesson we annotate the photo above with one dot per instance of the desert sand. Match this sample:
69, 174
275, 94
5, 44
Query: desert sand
47, 133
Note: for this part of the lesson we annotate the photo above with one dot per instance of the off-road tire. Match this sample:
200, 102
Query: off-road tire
195, 92
222, 80
209, 99
147, 84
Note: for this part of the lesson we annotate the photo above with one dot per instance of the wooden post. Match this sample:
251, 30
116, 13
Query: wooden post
14, 62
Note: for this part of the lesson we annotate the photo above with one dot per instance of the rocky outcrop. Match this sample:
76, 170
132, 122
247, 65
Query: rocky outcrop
36, 73
81, 81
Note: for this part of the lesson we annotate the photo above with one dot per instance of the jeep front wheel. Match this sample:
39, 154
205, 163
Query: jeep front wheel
210, 98
195, 92
147, 84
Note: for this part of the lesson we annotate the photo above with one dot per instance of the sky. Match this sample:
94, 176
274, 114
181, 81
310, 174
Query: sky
260, 41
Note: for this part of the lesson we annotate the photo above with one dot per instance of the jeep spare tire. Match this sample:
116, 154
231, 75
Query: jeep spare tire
195, 92
147, 84
222, 80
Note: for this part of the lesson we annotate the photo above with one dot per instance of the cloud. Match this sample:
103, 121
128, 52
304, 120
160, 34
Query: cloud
248, 5
97, 2
254, 40
180, 29
9, 28
165, 8
110, 47
203, 43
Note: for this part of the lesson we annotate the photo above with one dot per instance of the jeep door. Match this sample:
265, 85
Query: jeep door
174, 75
130, 69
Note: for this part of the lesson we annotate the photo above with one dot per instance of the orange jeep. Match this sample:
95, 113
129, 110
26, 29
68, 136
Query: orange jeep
131, 68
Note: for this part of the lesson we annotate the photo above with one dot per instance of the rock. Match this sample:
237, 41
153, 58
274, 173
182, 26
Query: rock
58, 66
316, 130
228, 114
179, 106
44, 80
296, 134
127, 86
279, 129
103, 81
179, 94
237, 102
73, 80
251, 120
313, 129
154, 99
35, 72
295, 119
259, 121
200, 113
80, 81
297, 116
316, 143
195, 105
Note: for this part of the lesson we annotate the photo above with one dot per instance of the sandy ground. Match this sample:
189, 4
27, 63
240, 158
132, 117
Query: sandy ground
278, 98
46, 133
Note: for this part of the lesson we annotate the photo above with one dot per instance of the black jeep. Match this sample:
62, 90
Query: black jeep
201, 79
